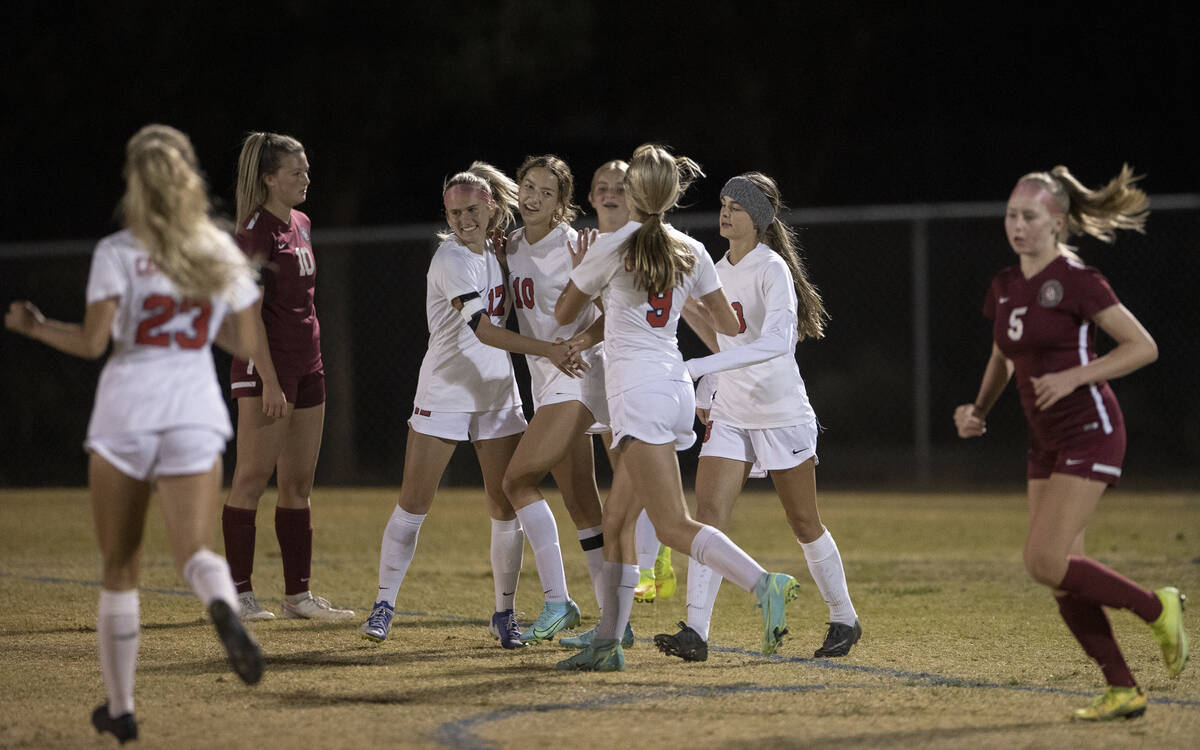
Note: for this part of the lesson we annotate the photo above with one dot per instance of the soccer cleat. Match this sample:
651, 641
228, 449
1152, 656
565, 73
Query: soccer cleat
308, 607
645, 591
606, 658
584, 639
251, 609
839, 639
1114, 703
774, 591
245, 657
378, 623
505, 627
555, 616
664, 574
124, 728
686, 644
1168, 630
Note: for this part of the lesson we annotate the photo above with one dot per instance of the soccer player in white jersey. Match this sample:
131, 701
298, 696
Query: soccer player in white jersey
567, 410
760, 413
466, 391
656, 577
159, 290
644, 272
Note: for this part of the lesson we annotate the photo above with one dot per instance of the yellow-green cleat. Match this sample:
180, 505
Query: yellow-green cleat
664, 574
645, 591
774, 591
1114, 703
1168, 630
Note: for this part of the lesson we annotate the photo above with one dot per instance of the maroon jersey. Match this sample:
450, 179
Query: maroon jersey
289, 275
1044, 324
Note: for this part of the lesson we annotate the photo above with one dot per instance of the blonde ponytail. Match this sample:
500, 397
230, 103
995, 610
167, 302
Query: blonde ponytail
654, 183
165, 206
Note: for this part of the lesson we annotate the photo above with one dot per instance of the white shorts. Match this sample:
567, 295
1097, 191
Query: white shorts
148, 455
469, 425
770, 449
655, 413
588, 390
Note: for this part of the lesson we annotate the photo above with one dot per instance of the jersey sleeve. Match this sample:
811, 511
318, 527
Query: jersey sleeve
597, 269
989, 302
705, 272
1094, 293
455, 279
256, 244
107, 278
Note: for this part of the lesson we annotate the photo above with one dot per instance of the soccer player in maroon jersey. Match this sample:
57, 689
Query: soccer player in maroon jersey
282, 388
1044, 312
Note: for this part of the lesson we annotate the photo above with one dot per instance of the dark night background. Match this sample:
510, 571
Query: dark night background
845, 104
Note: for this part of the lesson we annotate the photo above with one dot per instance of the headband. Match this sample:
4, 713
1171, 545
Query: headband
747, 194
1038, 190
468, 190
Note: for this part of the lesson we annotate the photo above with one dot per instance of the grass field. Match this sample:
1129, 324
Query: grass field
959, 647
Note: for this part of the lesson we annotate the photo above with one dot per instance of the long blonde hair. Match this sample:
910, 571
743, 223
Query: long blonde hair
1101, 212
654, 183
261, 155
496, 184
780, 237
165, 206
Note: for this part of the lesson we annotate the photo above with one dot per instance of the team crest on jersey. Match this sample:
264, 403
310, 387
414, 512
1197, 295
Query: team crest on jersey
1050, 294
304, 234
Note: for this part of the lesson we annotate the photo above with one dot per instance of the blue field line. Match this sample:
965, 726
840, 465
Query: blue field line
927, 678
459, 734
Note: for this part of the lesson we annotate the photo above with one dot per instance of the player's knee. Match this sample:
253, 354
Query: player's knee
1047, 568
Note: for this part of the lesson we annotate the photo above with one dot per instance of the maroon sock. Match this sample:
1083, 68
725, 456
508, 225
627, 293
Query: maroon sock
293, 527
1091, 580
237, 525
1091, 628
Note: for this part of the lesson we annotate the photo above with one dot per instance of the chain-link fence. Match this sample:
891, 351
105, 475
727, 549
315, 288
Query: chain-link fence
904, 284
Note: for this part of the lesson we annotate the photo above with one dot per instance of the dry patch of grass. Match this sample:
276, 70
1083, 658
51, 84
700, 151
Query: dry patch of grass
959, 648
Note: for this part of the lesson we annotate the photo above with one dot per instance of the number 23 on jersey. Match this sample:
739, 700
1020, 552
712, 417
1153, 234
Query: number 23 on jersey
163, 309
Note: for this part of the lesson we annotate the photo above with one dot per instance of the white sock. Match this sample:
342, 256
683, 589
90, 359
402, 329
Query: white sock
714, 549
396, 552
825, 565
646, 541
542, 533
508, 551
118, 629
208, 575
592, 542
702, 587
620, 580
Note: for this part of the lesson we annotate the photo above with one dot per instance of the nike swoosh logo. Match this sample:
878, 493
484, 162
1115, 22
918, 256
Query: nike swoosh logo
1002, 300
1074, 461
797, 451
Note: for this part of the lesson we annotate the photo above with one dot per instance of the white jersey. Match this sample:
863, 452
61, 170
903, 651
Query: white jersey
538, 273
770, 393
459, 372
639, 328
160, 374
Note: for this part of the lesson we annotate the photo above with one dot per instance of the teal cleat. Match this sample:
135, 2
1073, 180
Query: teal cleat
774, 591
584, 639
604, 658
555, 616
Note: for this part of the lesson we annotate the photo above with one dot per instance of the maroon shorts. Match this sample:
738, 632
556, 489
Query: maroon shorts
1090, 455
302, 392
